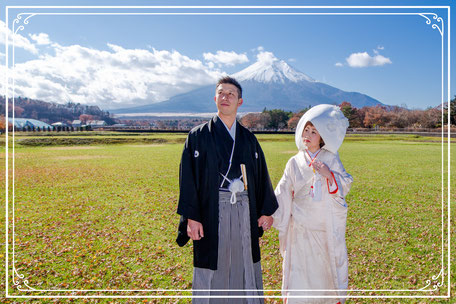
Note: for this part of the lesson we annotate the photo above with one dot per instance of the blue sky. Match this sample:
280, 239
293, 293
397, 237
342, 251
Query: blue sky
117, 60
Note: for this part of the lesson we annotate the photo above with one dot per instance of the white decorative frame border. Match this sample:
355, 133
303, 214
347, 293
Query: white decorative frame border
429, 16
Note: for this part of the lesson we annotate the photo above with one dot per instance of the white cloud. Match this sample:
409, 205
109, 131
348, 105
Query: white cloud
292, 60
266, 57
226, 58
19, 40
41, 38
361, 60
339, 64
111, 79
257, 49
379, 47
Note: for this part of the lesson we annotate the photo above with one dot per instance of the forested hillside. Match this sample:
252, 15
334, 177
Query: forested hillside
52, 112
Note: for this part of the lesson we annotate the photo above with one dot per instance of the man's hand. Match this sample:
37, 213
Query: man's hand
265, 222
195, 230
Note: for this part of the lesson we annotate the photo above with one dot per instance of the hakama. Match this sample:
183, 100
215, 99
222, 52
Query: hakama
235, 268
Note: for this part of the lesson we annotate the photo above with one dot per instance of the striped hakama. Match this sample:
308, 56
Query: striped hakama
235, 268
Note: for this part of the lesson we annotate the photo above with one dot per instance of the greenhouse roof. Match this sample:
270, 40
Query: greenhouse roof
24, 122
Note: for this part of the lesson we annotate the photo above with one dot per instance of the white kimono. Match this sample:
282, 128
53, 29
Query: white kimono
312, 231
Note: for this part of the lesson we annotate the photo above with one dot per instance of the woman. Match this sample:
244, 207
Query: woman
312, 211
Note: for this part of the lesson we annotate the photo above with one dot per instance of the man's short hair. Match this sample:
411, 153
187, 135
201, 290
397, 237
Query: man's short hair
230, 80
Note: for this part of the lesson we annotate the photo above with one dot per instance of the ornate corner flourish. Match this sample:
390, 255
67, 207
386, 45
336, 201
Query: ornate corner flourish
435, 284
435, 25
18, 280
24, 22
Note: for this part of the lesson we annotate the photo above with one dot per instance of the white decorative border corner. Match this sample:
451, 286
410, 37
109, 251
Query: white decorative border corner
24, 22
436, 22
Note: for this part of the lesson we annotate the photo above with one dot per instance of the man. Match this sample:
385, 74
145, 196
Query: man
224, 209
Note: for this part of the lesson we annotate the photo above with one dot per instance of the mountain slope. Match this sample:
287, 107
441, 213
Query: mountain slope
268, 83
269, 69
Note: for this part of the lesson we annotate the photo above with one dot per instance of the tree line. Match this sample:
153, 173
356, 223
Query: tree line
50, 112
369, 117
380, 116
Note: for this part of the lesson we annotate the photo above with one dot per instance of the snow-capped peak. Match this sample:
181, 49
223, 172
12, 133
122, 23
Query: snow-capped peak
269, 68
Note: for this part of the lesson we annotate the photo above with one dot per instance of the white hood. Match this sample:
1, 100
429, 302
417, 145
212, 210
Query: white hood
330, 123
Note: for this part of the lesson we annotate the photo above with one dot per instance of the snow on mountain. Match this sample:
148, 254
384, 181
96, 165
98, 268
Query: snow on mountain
268, 83
268, 69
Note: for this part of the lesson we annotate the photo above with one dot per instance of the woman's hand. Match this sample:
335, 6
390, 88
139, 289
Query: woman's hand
265, 222
323, 170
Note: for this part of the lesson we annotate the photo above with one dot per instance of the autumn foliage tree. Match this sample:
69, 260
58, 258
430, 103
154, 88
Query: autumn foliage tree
431, 118
346, 109
18, 111
3, 124
250, 120
398, 117
293, 121
255, 120
295, 117
85, 117
50, 112
375, 116
355, 117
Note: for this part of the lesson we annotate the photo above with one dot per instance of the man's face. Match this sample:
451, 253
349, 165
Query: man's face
227, 99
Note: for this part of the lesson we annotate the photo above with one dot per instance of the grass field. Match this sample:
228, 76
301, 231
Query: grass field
102, 216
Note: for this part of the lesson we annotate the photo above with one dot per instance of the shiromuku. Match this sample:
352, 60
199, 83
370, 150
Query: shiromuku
312, 212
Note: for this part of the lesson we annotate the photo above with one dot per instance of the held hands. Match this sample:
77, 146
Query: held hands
195, 230
323, 170
265, 222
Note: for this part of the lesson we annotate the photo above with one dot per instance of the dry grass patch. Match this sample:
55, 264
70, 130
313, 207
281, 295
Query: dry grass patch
143, 146
289, 152
74, 148
81, 157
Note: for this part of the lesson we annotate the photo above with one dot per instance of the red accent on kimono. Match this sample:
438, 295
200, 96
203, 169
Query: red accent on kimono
312, 159
327, 183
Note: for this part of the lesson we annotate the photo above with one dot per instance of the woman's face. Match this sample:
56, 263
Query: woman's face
311, 138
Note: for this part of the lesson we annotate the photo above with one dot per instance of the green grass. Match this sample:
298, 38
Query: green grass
103, 216
46, 139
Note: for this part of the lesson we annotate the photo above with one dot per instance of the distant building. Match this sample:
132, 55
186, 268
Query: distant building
21, 123
60, 124
76, 123
96, 123
118, 125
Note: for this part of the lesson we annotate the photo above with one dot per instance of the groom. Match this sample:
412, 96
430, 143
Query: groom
226, 201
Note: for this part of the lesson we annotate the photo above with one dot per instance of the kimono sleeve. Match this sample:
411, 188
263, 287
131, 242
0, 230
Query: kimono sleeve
188, 205
265, 192
284, 194
188, 195
342, 178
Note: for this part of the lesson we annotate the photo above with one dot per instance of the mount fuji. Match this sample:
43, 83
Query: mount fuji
268, 83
